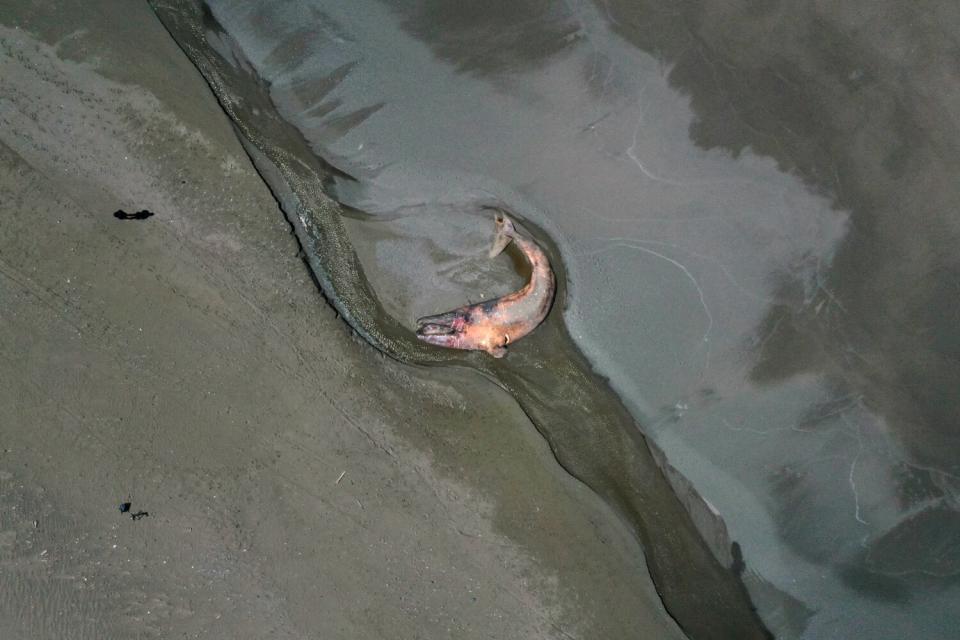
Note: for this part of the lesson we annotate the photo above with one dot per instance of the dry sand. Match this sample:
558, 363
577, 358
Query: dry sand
298, 485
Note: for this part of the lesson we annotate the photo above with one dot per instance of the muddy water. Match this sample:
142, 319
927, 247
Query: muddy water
751, 211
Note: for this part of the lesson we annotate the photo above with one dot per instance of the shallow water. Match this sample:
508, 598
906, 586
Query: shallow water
754, 210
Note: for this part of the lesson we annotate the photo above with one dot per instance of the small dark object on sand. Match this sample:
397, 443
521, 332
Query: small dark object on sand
120, 214
139, 514
124, 507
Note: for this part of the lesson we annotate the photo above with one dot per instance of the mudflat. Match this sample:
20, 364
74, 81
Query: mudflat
290, 481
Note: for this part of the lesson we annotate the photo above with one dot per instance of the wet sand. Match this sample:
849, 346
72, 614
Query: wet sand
298, 484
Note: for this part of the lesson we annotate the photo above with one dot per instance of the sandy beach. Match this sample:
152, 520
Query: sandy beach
295, 483
221, 219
